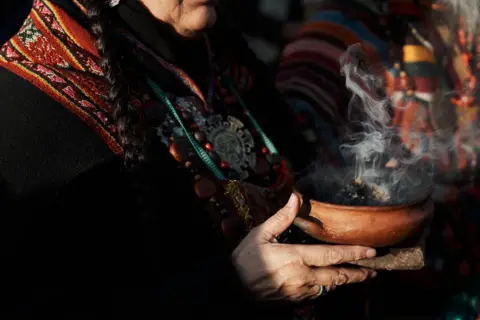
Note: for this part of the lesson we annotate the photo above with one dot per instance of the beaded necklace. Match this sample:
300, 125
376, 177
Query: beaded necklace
224, 207
202, 150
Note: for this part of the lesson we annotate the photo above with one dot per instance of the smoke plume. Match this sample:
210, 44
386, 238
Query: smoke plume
370, 145
444, 138
469, 10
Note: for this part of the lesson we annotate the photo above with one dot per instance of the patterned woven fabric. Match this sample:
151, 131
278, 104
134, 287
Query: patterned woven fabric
57, 55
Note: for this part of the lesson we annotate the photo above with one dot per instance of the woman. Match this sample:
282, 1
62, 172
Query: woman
125, 130
428, 54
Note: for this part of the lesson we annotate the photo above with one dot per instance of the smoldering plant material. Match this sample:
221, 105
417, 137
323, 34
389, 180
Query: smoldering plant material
352, 193
358, 193
389, 187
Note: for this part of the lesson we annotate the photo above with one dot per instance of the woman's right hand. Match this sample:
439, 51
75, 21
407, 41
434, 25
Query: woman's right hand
275, 271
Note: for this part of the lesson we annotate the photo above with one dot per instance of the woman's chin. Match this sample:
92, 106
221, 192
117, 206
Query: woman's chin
200, 21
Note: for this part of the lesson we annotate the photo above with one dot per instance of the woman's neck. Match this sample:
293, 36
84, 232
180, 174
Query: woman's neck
190, 54
159, 36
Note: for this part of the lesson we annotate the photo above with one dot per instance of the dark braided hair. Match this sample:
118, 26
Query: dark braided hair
126, 117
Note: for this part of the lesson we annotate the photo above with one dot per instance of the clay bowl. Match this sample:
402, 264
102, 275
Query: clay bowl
372, 226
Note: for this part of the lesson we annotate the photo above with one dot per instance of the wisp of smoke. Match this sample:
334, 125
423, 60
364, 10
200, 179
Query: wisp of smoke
469, 10
367, 146
370, 141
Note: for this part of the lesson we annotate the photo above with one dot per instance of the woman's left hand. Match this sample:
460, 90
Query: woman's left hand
275, 271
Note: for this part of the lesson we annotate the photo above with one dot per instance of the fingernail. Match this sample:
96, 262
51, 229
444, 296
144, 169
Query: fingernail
371, 253
292, 201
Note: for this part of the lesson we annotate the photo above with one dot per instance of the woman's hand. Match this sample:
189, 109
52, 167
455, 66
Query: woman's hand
275, 271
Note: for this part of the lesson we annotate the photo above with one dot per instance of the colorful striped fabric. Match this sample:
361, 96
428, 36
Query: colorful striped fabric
56, 54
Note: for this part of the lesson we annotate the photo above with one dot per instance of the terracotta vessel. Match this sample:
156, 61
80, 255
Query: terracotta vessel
373, 226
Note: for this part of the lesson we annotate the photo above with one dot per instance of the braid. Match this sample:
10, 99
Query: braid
125, 116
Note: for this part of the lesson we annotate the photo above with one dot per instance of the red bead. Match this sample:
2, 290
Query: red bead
224, 165
233, 227
205, 188
180, 150
208, 146
264, 150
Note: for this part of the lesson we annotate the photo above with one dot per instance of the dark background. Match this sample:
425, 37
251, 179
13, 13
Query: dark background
262, 22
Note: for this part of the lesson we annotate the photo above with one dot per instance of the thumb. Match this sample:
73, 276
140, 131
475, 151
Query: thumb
281, 220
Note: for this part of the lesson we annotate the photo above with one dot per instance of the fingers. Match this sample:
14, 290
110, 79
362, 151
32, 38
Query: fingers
281, 220
324, 255
332, 277
315, 291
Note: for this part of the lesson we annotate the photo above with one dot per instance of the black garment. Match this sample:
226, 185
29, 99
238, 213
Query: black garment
12, 15
75, 244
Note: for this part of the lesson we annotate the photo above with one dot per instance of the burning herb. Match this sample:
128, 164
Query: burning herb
360, 194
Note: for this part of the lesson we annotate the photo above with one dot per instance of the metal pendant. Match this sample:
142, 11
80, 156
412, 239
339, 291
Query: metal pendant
232, 142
